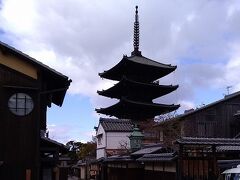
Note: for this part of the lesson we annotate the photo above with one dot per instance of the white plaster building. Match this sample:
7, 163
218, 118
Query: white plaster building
112, 136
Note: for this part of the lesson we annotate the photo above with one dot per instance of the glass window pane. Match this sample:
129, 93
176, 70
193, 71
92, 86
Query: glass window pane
20, 104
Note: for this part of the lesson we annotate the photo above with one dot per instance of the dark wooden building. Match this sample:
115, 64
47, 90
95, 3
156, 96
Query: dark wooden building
200, 158
206, 139
219, 119
27, 87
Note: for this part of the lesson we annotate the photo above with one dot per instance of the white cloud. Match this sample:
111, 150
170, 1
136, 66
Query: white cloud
82, 38
186, 105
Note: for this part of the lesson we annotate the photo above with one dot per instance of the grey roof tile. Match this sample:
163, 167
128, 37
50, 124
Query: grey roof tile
147, 150
209, 141
227, 148
116, 125
118, 158
149, 62
158, 157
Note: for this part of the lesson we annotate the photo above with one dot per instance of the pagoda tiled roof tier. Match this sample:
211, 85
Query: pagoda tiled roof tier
136, 110
139, 68
137, 90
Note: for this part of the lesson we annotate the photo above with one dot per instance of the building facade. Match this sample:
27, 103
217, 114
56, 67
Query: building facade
219, 119
112, 137
27, 88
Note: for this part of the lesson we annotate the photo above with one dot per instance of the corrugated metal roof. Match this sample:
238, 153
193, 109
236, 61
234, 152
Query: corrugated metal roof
158, 157
209, 141
116, 125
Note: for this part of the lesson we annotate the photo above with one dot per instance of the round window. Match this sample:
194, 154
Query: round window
20, 104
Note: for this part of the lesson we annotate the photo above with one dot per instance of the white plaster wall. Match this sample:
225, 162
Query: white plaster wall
115, 138
101, 153
101, 131
101, 147
111, 140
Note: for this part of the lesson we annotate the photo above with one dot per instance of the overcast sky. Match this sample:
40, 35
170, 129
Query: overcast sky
81, 38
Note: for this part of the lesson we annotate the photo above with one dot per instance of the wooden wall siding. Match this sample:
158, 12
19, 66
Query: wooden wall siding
138, 174
125, 173
14, 78
17, 64
155, 175
215, 121
198, 169
11, 77
19, 135
208, 122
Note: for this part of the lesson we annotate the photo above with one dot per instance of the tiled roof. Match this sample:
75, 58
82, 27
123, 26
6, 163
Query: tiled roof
209, 141
227, 148
54, 143
116, 125
118, 158
147, 150
149, 62
158, 157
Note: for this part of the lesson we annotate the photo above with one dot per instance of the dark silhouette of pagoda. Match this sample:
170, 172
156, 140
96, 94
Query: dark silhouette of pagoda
137, 85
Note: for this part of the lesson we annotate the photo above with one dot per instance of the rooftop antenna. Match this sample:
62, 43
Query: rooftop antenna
136, 51
228, 89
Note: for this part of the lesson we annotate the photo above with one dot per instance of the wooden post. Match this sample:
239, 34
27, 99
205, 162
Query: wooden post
214, 161
180, 162
28, 174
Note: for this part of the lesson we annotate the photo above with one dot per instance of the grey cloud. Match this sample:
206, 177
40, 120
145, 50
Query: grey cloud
195, 35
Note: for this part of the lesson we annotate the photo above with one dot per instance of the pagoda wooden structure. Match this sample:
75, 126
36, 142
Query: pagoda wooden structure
137, 86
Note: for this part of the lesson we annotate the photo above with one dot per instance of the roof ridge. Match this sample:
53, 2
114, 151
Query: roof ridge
33, 60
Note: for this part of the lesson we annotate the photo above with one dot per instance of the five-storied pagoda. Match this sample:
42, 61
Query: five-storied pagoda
137, 86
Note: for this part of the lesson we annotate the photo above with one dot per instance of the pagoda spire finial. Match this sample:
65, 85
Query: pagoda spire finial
136, 35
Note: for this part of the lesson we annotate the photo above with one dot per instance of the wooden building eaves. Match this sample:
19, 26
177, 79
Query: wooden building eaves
20, 54
49, 143
56, 81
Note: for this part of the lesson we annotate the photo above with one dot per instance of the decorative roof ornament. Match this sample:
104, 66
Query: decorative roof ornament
136, 51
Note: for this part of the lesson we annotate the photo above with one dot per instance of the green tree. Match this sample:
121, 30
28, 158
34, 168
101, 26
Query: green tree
79, 150
87, 150
74, 148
